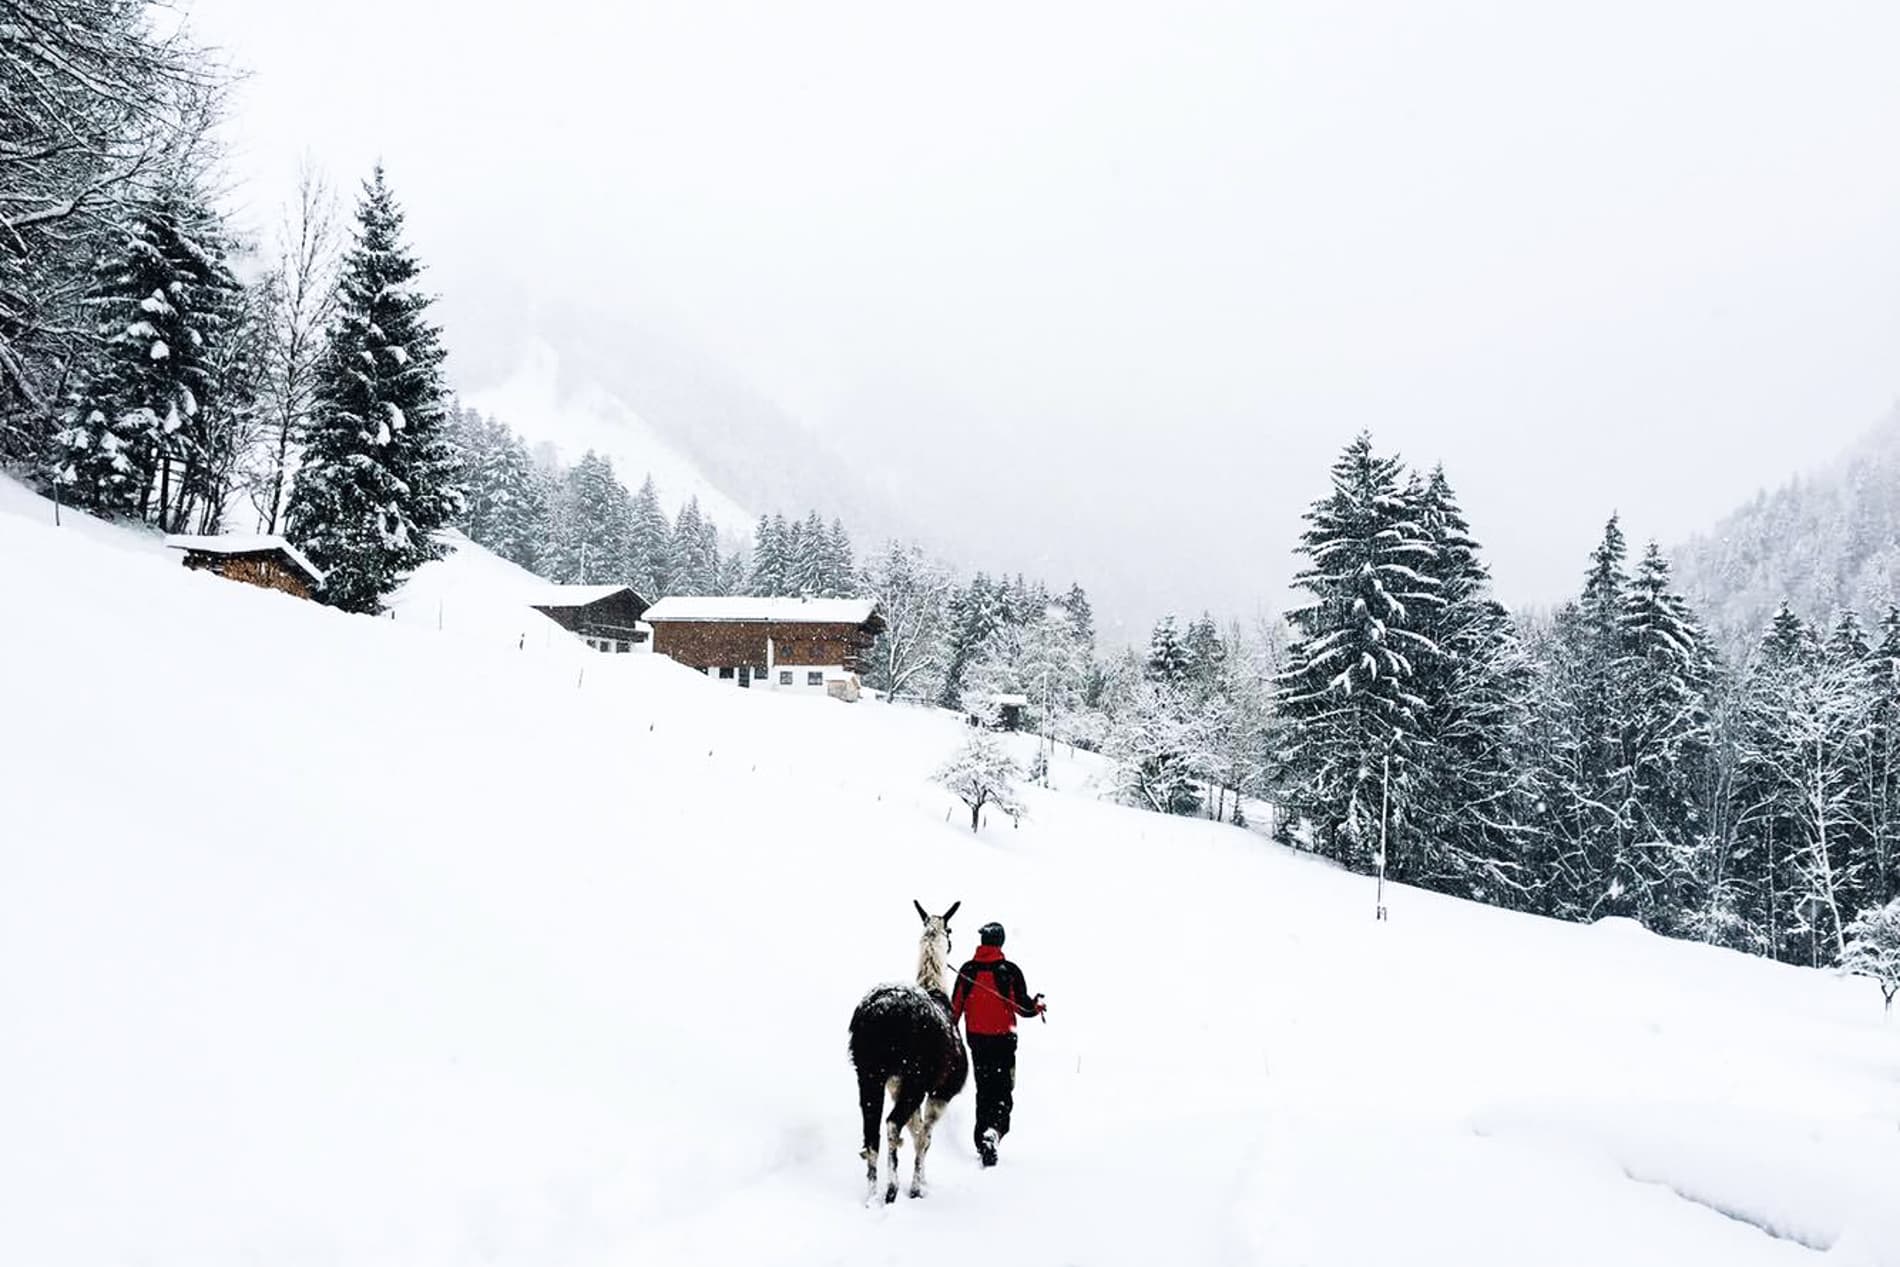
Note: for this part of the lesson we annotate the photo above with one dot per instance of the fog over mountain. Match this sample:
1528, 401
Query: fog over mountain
1824, 542
1098, 291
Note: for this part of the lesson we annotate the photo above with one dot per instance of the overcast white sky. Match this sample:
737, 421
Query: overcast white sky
1108, 285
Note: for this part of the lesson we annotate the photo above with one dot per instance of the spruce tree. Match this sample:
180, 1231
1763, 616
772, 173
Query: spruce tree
649, 548
1170, 662
1076, 603
1600, 790
841, 567
767, 577
975, 617
589, 531
1348, 695
504, 506
807, 557
1664, 676
136, 433
378, 473
1473, 787
695, 552
1206, 654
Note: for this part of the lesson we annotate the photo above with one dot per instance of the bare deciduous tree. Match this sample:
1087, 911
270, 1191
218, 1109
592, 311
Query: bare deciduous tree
301, 300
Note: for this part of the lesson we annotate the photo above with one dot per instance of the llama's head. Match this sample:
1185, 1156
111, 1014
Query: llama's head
933, 949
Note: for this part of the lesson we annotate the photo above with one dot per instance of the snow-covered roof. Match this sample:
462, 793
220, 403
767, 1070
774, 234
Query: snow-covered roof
1008, 701
241, 543
574, 595
820, 611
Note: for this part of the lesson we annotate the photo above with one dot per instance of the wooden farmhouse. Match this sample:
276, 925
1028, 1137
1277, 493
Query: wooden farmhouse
605, 617
270, 562
815, 645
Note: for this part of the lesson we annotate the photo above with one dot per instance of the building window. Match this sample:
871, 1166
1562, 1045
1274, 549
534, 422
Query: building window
785, 677
725, 675
815, 678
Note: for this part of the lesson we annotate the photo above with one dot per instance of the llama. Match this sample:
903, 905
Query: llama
903, 1042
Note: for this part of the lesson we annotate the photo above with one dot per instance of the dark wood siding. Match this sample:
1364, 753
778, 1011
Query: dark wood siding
733, 643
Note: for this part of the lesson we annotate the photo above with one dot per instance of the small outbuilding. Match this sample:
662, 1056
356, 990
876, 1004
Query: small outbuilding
1000, 711
795, 644
269, 562
605, 617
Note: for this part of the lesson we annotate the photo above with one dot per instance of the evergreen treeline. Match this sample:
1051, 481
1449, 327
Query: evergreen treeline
580, 525
1603, 761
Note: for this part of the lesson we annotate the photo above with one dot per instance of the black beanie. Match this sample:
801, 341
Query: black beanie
992, 934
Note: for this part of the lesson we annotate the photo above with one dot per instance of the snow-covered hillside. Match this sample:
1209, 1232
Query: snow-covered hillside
330, 939
542, 406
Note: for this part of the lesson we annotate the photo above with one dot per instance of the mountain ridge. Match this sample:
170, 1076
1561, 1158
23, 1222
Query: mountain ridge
1825, 541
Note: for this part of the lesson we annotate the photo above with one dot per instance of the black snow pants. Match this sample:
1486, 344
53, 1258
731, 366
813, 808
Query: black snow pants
993, 1058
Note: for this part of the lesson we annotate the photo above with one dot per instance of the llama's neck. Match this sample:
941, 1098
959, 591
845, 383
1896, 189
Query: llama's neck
930, 962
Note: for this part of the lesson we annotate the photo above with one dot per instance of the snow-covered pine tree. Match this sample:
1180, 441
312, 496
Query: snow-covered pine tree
592, 519
1170, 662
504, 505
378, 473
768, 573
1206, 654
807, 557
695, 552
841, 567
976, 613
1598, 791
1347, 698
735, 572
1472, 793
649, 548
1664, 678
1076, 603
134, 426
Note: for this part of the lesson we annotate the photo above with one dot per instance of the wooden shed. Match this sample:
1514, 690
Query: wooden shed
270, 562
606, 617
801, 644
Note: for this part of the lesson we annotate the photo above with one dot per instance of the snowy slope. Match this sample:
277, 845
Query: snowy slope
543, 406
475, 595
339, 940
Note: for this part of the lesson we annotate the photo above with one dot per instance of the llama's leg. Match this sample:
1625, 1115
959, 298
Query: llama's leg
902, 1111
871, 1105
921, 1128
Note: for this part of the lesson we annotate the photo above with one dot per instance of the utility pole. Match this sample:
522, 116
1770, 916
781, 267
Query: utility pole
1385, 798
1047, 744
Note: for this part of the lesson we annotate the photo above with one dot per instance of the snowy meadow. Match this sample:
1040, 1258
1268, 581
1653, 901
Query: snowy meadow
397, 945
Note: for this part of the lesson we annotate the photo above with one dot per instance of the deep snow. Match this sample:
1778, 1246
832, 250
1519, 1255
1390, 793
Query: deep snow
329, 939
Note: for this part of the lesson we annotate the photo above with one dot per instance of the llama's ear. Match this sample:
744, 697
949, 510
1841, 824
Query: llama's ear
922, 914
952, 911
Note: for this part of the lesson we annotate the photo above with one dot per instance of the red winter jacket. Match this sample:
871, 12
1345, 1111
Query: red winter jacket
991, 993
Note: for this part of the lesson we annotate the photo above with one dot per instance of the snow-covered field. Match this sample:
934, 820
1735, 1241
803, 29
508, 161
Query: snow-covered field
332, 940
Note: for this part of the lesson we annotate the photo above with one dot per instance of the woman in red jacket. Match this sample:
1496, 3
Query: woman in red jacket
990, 995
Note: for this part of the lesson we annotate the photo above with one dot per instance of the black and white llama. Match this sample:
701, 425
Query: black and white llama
903, 1042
